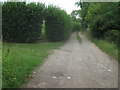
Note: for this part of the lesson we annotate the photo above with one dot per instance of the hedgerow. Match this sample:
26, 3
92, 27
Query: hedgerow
58, 24
34, 16
21, 22
13, 21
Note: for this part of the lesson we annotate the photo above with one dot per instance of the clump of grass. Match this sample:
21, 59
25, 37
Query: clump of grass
78, 37
19, 60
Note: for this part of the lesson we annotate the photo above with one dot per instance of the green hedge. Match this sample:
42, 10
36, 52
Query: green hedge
21, 22
58, 24
34, 16
13, 19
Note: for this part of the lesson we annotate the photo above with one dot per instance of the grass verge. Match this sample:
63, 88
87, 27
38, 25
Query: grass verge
19, 60
110, 48
107, 47
78, 37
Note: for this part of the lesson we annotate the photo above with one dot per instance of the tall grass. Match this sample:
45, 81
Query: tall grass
19, 60
108, 47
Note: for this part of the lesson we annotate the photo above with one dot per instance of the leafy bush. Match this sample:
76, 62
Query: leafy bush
112, 35
21, 22
76, 26
97, 27
58, 24
99, 17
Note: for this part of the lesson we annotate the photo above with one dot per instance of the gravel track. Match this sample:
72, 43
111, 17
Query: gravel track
76, 65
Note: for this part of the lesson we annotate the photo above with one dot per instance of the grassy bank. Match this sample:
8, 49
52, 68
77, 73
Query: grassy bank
108, 47
19, 60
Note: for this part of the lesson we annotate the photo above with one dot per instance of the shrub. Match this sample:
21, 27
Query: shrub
58, 24
112, 35
21, 22
97, 28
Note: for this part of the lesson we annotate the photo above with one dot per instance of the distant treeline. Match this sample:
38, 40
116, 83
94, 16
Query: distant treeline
22, 22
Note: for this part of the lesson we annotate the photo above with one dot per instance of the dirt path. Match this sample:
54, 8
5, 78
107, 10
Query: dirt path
76, 65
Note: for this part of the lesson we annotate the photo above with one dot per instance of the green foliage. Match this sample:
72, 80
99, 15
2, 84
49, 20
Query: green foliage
75, 16
76, 26
19, 60
58, 24
34, 16
99, 17
83, 13
13, 21
97, 28
111, 14
113, 36
102, 17
21, 22
93, 12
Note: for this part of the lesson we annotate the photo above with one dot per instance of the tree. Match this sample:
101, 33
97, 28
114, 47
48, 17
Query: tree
75, 15
99, 17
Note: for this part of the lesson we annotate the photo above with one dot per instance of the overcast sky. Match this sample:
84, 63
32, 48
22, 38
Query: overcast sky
67, 5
